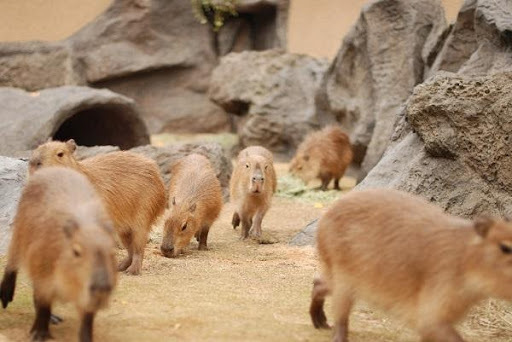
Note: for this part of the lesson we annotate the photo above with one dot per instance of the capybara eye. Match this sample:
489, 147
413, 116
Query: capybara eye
247, 165
266, 167
506, 249
76, 251
184, 227
60, 154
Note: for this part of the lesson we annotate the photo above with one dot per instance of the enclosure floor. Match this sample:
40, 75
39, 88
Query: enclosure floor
236, 291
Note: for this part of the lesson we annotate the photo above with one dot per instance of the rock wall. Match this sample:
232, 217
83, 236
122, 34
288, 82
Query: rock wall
153, 51
380, 61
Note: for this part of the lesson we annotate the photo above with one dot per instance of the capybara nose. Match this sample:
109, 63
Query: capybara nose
103, 287
167, 251
258, 179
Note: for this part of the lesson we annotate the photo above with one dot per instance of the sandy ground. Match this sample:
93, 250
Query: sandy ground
236, 291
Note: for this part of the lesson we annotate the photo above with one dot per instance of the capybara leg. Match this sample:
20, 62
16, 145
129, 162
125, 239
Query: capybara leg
40, 329
316, 309
198, 236
86, 327
246, 225
325, 183
203, 237
7, 287
236, 220
139, 243
256, 225
55, 320
337, 184
440, 332
126, 239
342, 303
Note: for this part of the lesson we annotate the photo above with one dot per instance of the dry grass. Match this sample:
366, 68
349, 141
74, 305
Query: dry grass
236, 291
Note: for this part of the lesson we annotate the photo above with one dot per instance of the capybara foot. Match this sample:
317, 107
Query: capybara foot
54, 319
123, 265
7, 288
40, 335
134, 269
202, 247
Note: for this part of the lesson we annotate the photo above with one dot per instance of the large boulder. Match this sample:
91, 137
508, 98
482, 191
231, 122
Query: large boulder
13, 174
271, 95
380, 61
479, 42
90, 116
153, 51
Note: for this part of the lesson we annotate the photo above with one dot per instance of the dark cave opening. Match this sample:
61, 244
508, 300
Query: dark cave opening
104, 125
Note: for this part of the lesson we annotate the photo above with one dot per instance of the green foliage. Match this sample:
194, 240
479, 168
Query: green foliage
214, 12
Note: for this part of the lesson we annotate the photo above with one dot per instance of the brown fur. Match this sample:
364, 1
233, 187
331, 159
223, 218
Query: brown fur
195, 197
408, 257
252, 185
63, 238
129, 184
325, 154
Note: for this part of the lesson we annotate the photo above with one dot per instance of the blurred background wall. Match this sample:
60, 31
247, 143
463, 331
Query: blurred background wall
316, 27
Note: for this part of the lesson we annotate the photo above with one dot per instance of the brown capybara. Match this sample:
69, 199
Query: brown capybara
407, 256
129, 184
62, 237
252, 185
324, 154
195, 197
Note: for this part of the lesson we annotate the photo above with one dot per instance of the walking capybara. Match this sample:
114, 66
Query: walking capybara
129, 184
252, 185
195, 199
407, 256
63, 238
324, 154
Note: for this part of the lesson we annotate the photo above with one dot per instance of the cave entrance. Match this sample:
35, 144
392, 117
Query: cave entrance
104, 125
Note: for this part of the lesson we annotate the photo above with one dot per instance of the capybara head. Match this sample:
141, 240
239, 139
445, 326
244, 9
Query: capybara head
255, 172
304, 166
492, 253
86, 269
181, 225
53, 153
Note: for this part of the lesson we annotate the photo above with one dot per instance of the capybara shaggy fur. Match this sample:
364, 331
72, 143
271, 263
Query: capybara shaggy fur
324, 154
129, 184
63, 238
195, 197
252, 185
407, 256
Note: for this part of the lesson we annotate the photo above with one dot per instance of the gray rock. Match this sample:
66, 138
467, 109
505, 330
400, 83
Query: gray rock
153, 51
13, 174
305, 237
271, 94
90, 116
380, 61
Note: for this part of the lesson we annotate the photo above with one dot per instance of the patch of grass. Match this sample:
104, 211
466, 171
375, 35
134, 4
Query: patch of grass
226, 140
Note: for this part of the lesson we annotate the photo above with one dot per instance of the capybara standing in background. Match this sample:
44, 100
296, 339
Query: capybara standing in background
63, 238
324, 154
129, 184
407, 256
251, 187
195, 197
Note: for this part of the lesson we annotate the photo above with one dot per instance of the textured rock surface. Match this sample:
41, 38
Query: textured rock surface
13, 174
380, 61
479, 42
153, 51
271, 94
90, 116
306, 236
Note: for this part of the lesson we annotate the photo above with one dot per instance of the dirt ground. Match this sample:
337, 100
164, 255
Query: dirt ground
236, 291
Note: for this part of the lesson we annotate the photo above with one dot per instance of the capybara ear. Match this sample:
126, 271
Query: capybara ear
71, 144
70, 227
192, 208
482, 225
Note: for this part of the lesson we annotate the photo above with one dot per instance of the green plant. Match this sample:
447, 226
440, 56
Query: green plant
214, 12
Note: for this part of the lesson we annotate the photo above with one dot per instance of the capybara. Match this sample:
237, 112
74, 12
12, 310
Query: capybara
407, 256
63, 238
129, 184
195, 197
252, 185
324, 154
